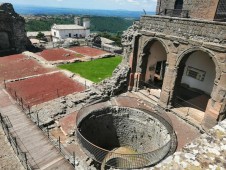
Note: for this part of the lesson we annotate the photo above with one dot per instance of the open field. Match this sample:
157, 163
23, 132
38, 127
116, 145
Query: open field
88, 51
96, 70
43, 88
18, 66
58, 54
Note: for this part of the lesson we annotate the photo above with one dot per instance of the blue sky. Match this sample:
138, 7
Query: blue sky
132, 5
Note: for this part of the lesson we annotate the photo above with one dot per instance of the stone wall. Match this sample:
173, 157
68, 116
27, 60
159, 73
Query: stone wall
124, 127
14, 26
205, 152
53, 110
189, 29
181, 37
197, 9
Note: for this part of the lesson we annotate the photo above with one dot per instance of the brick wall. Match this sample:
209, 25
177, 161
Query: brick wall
201, 9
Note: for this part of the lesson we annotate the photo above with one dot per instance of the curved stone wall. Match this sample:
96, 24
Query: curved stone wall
114, 127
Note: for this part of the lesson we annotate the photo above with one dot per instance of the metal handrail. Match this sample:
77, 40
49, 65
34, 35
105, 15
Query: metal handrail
149, 84
26, 105
136, 160
190, 104
13, 139
177, 97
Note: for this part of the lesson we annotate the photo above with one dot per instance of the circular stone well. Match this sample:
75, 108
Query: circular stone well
123, 137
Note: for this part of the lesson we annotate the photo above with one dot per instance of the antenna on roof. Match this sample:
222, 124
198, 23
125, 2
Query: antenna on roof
144, 12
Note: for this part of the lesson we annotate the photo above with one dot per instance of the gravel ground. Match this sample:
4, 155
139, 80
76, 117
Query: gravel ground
8, 159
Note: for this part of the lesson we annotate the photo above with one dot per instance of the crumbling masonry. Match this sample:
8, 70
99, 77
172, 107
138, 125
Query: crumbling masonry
185, 40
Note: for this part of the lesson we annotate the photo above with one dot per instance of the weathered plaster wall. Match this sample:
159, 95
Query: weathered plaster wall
157, 53
202, 61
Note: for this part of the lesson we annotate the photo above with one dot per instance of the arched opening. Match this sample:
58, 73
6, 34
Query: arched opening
4, 41
179, 4
195, 80
152, 68
156, 63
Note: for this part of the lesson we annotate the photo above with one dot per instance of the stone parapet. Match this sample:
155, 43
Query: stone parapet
188, 29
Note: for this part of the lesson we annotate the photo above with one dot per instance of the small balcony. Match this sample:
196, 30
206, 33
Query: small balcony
177, 13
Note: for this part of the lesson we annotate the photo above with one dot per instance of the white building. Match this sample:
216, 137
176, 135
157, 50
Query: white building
77, 30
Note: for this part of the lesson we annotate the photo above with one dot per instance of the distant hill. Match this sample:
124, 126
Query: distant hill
34, 10
98, 23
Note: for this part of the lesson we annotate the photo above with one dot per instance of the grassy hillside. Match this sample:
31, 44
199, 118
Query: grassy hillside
98, 23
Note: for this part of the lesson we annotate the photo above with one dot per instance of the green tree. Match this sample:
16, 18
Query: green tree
40, 36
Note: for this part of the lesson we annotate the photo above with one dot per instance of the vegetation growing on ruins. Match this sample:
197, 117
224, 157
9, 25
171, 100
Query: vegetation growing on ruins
96, 70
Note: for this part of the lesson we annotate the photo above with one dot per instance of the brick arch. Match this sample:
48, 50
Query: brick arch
208, 52
146, 52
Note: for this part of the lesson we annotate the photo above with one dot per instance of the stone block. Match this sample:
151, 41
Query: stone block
147, 33
172, 59
222, 81
221, 57
223, 67
219, 93
213, 108
160, 35
164, 97
209, 121
214, 47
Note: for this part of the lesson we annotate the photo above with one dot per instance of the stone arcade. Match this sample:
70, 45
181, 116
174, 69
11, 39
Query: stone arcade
183, 56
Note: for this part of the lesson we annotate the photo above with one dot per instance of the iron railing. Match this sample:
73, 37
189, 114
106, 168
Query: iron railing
118, 160
44, 96
179, 102
26, 107
56, 142
20, 150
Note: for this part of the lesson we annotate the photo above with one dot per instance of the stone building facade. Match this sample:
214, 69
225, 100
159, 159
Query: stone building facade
208, 9
184, 57
13, 37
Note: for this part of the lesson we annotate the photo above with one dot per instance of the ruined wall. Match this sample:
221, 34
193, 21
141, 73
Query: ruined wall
13, 27
181, 37
197, 9
110, 128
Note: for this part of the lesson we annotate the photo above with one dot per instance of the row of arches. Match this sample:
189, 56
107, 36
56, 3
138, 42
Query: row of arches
195, 72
